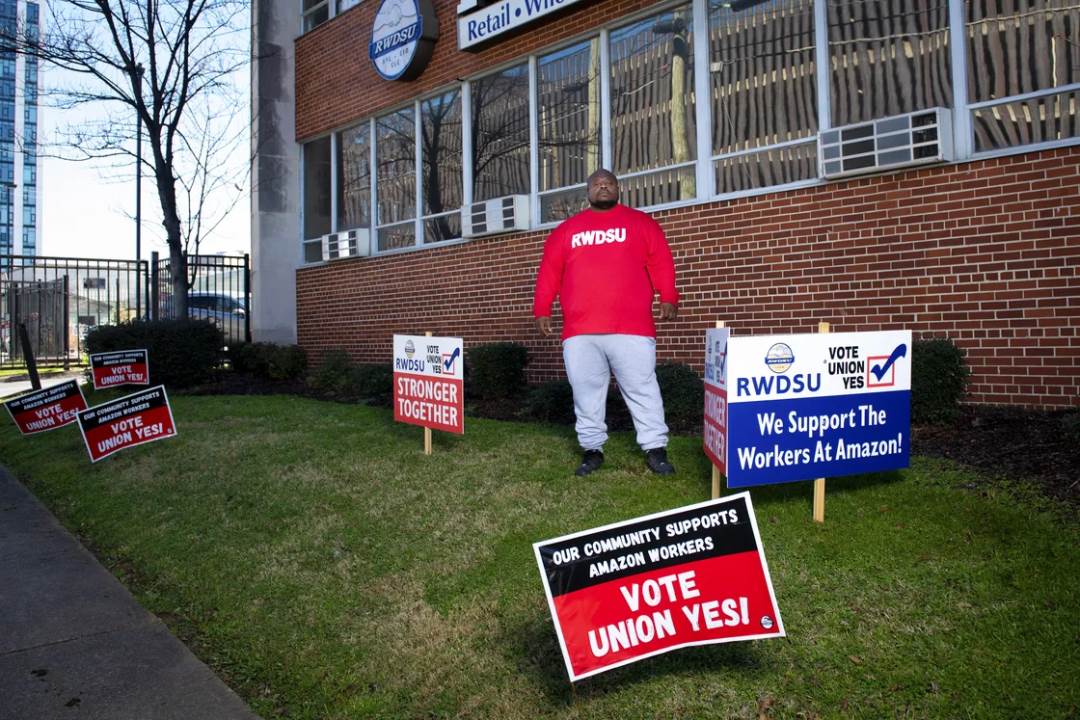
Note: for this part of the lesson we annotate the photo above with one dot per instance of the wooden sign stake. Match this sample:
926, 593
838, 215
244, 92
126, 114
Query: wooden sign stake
716, 470
427, 430
819, 484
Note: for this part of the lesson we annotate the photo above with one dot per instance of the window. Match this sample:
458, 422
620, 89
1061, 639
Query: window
500, 134
887, 58
395, 153
653, 122
440, 153
316, 195
316, 12
354, 178
1047, 31
568, 107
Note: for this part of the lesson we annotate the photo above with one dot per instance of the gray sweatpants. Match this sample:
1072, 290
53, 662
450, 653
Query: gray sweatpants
590, 360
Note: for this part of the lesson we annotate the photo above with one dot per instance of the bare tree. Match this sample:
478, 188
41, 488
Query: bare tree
167, 63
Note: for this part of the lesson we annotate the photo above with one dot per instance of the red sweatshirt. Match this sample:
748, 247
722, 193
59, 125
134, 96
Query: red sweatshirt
606, 267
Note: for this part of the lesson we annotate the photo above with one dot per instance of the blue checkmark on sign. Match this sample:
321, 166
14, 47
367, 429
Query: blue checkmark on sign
880, 370
449, 362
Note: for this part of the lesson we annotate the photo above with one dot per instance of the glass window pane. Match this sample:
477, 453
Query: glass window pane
1056, 117
1044, 33
317, 187
397, 236
652, 95
500, 134
440, 150
561, 205
569, 114
395, 152
316, 17
354, 178
777, 166
443, 227
763, 75
658, 188
887, 58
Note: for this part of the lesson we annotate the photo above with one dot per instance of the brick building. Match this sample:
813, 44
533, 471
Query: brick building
871, 163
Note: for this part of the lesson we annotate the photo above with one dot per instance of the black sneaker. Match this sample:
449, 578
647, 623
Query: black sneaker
657, 461
591, 460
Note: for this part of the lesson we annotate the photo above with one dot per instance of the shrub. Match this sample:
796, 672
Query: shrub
684, 396
269, 361
182, 352
939, 379
496, 370
334, 373
373, 383
552, 401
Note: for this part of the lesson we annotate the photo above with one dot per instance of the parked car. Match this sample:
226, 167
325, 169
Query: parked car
225, 311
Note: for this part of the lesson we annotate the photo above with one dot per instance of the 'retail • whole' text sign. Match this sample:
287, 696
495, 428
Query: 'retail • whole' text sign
123, 367
800, 407
47, 409
135, 419
692, 576
429, 382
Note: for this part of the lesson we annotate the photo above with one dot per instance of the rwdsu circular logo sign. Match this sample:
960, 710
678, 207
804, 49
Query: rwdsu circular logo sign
402, 38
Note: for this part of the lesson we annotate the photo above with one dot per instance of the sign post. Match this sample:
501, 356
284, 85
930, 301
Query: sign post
691, 576
429, 384
819, 483
714, 436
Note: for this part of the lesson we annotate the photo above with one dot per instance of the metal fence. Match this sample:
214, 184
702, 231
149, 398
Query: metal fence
60, 300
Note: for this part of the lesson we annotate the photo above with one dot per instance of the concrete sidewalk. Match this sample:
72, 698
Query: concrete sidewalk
75, 644
17, 385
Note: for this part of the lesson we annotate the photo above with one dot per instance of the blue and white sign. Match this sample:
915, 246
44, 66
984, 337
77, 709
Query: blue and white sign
500, 17
801, 407
402, 38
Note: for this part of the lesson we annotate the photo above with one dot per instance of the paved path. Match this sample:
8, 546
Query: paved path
75, 644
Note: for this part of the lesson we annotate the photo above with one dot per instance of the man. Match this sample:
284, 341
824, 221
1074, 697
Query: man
606, 264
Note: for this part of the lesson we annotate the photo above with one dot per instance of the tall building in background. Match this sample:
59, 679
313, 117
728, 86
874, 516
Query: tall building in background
18, 134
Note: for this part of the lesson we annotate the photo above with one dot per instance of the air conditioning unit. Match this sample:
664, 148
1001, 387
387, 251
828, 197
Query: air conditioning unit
918, 138
347, 243
499, 215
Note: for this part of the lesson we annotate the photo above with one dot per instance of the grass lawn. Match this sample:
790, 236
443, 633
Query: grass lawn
326, 568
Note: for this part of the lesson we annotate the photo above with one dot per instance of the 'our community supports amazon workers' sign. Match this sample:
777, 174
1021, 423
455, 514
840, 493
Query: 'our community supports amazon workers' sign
47, 409
132, 420
123, 367
692, 576
800, 407
429, 382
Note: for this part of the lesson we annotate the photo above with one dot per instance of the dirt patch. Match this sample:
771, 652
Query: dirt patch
1030, 446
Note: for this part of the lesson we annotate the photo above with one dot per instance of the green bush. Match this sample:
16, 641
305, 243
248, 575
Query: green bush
333, 374
269, 361
939, 378
373, 383
496, 370
182, 353
684, 396
552, 402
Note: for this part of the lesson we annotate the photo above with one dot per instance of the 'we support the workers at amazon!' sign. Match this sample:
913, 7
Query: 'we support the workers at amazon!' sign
429, 382
692, 576
799, 407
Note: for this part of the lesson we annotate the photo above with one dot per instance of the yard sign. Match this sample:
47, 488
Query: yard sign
47, 409
429, 382
800, 407
123, 367
132, 420
692, 576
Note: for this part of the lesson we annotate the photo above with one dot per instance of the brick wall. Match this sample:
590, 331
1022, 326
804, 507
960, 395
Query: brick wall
985, 253
336, 83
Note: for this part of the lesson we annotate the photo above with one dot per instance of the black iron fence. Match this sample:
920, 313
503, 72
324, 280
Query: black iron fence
59, 300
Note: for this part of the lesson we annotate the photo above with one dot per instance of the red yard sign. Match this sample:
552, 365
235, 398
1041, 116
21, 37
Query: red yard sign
132, 420
47, 409
429, 382
628, 591
123, 367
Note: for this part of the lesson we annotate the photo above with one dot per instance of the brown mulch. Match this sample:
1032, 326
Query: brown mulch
1031, 446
